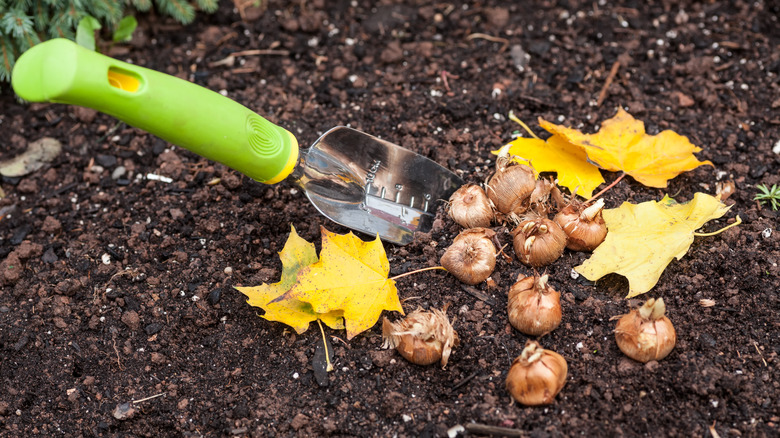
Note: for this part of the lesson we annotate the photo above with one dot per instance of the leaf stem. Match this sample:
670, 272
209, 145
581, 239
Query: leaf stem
329, 365
737, 222
613, 184
514, 118
416, 271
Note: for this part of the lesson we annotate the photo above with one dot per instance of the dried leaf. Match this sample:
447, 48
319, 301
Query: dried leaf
346, 288
622, 145
644, 238
558, 155
38, 153
351, 277
296, 254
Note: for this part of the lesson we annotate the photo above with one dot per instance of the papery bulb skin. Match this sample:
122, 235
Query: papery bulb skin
584, 226
470, 207
422, 338
472, 256
534, 307
510, 187
540, 197
538, 242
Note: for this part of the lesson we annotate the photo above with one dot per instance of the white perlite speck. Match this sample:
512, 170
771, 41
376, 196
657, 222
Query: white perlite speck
776, 148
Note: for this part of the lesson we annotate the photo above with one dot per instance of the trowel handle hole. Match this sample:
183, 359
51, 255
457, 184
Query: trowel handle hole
123, 79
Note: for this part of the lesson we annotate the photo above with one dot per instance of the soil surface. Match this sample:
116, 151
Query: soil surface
118, 315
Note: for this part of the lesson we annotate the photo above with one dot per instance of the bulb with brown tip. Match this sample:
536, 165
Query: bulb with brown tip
537, 375
422, 337
472, 256
584, 226
470, 207
534, 307
646, 334
538, 241
511, 186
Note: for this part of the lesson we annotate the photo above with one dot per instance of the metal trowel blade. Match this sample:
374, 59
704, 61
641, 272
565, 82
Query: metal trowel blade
373, 186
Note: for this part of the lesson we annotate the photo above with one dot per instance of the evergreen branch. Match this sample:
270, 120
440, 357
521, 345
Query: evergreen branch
141, 5
16, 23
24, 23
41, 15
28, 40
181, 10
207, 5
6, 58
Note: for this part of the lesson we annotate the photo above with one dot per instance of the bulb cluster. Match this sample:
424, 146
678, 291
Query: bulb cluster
514, 195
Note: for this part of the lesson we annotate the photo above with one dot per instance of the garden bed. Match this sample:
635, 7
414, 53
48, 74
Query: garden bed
118, 288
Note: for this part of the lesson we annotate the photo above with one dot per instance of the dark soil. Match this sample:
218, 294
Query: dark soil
80, 337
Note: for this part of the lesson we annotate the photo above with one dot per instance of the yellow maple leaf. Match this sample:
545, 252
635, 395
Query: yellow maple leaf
622, 145
558, 155
644, 238
351, 276
296, 254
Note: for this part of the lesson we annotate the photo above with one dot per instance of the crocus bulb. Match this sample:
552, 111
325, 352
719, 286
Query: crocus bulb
470, 207
510, 186
536, 376
540, 196
422, 337
534, 307
538, 242
584, 226
472, 256
646, 334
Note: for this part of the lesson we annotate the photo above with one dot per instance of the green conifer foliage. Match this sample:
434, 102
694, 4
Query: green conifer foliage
24, 23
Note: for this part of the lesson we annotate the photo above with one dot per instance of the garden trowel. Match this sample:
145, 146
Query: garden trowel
357, 180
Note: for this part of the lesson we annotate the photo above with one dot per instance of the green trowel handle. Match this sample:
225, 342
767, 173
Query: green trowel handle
175, 110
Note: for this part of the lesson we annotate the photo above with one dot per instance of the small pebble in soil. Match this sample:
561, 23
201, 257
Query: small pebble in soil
21, 342
119, 172
20, 234
124, 411
12, 180
758, 171
49, 256
707, 340
214, 296
106, 160
153, 328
